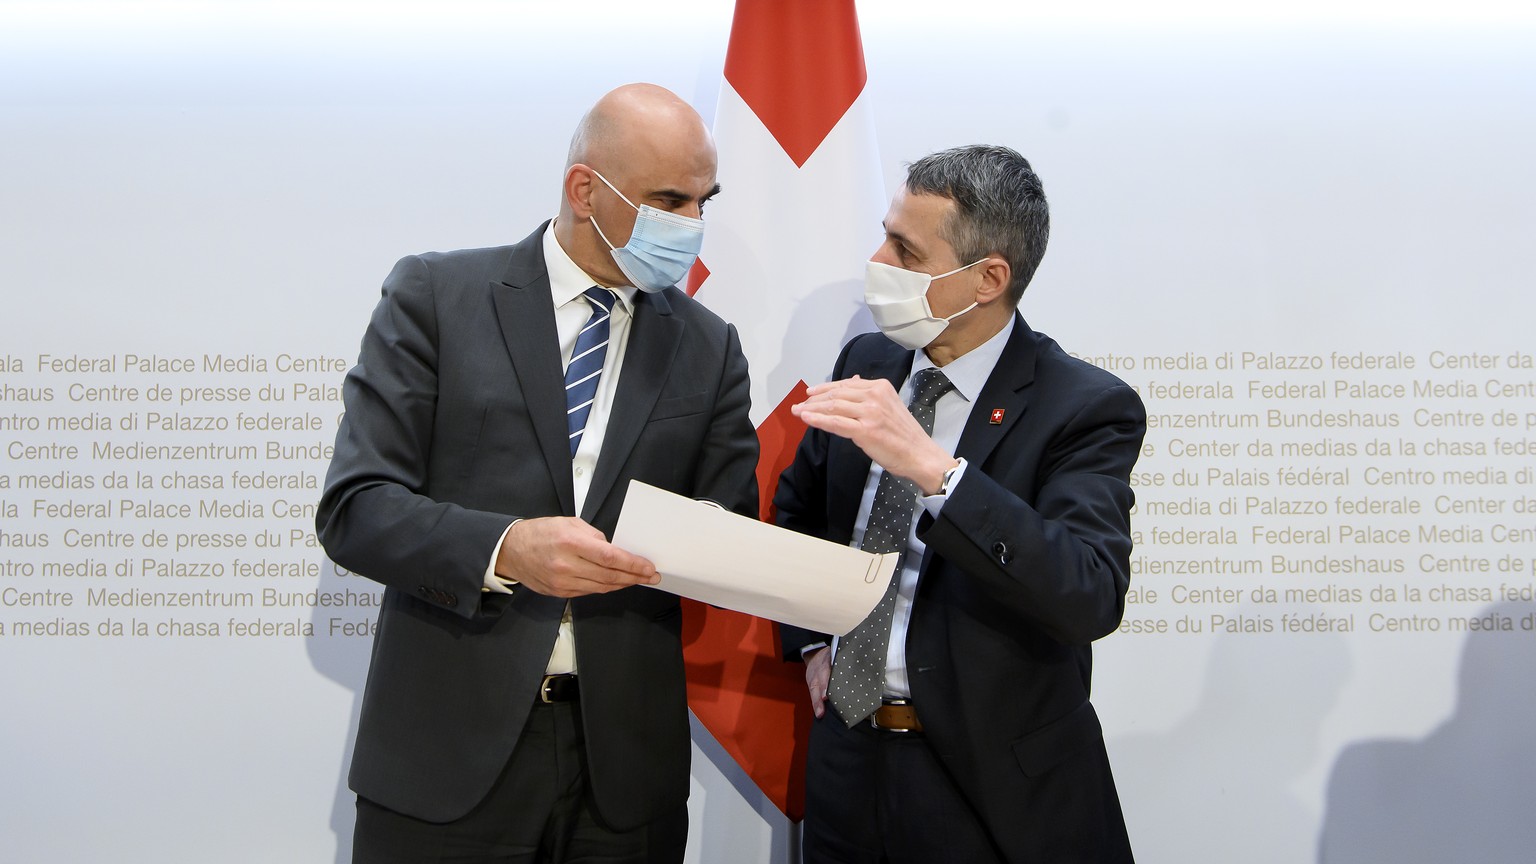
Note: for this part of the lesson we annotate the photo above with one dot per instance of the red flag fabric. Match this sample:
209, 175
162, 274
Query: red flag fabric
753, 703
783, 260
799, 65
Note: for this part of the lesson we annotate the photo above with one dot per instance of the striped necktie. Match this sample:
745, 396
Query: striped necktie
586, 364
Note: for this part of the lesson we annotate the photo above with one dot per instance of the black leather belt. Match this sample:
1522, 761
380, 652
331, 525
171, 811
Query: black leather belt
559, 688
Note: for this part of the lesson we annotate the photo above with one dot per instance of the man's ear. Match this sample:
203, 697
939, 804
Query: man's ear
578, 190
996, 276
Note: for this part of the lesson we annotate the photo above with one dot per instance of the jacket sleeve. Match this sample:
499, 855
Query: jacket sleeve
727, 469
1061, 562
373, 518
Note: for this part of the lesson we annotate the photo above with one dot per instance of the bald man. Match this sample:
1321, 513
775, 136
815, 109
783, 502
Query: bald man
526, 699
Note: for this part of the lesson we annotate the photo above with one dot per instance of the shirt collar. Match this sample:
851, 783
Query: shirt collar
969, 372
567, 280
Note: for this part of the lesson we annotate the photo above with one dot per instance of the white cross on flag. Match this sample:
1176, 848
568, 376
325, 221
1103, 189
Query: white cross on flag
783, 260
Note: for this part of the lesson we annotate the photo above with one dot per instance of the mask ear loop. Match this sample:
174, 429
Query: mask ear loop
940, 276
957, 314
616, 191
621, 194
973, 305
600, 233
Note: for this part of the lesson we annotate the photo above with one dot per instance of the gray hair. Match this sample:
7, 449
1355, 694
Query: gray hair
1000, 206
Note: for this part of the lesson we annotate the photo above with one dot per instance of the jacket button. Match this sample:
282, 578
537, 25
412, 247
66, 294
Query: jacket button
1000, 549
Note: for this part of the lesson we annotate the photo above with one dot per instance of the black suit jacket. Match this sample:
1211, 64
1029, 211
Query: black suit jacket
454, 426
1027, 563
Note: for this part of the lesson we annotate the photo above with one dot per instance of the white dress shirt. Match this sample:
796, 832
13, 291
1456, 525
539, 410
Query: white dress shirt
969, 373
567, 283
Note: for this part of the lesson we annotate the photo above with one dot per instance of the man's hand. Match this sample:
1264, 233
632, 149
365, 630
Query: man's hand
565, 557
818, 674
873, 417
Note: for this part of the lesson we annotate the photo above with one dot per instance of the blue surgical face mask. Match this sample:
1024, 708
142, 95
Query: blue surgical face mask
661, 249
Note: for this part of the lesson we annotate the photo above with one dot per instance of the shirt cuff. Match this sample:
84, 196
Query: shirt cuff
934, 503
493, 583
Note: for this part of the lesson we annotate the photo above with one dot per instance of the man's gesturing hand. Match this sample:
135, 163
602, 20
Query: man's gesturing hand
870, 414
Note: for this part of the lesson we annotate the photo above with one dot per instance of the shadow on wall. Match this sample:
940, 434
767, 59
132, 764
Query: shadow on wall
819, 312
1465, 792
341, 654
1218, 785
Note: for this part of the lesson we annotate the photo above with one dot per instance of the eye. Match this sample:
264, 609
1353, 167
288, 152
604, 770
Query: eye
674, 203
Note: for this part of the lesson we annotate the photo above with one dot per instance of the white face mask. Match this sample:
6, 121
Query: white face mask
898, 300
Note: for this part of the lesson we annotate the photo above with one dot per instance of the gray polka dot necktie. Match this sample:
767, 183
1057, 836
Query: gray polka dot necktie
858, 672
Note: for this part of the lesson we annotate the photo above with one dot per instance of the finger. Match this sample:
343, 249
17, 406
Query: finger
611, 558
594, 579
819, 409
574, 571
837, 424
826, 397
854, 384
826, 386
588, 579
835, 403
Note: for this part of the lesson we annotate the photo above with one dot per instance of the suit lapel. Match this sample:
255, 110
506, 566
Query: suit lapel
892, 364
527, 316
1006, 388
654, 337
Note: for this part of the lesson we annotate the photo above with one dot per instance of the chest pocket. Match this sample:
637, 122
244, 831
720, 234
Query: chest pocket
681, 406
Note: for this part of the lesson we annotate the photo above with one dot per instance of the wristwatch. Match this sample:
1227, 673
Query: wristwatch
949, 476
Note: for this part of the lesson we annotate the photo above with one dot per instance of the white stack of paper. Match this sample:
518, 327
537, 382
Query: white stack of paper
717, 557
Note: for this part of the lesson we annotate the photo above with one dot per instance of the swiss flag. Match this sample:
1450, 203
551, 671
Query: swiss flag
783, 259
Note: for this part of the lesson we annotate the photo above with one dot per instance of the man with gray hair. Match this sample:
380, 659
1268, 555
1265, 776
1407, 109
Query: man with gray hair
998, 466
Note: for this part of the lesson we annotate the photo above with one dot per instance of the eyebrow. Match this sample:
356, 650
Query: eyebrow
678, 197
900, 238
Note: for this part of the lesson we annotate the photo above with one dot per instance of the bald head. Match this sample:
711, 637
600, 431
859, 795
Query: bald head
635, 121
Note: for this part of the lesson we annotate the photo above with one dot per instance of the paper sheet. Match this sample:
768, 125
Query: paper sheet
717, 557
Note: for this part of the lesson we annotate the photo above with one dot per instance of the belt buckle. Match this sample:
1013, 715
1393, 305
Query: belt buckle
544, 688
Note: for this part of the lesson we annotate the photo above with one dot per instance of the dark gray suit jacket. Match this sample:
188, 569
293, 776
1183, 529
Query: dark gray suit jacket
454, 426
1028, 563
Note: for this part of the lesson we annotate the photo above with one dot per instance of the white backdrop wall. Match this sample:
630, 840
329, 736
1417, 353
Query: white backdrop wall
1303, 230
